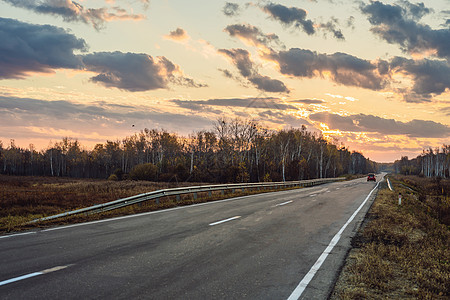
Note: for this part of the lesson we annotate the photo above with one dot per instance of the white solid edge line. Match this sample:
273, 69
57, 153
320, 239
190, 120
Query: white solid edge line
284, 203
309, 276
4, 282
16, 234
20, 278
223, 221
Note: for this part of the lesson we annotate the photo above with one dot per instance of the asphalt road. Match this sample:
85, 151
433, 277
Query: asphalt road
252, 247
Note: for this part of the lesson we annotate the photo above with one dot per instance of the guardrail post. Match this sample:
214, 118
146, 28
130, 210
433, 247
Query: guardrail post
232, 191
209, 194
222, 192
195, 196
178, 198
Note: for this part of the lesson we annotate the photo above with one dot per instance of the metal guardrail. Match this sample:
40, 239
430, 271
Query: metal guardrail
156, 195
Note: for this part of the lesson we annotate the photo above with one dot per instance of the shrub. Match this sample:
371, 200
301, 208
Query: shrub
113, 177
144, 172
119, 173
181, 172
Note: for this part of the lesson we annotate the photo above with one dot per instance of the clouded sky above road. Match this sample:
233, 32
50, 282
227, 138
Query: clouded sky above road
373, 75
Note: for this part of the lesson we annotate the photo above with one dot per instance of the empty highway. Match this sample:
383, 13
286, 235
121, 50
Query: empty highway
253, 247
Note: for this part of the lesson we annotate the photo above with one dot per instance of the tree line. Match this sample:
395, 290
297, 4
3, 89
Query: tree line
431, 163
232, 151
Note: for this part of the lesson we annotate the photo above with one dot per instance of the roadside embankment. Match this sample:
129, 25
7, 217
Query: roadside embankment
402, 251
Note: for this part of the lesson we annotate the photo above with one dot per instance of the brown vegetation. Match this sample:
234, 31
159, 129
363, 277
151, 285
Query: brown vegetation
25, 198
403, 251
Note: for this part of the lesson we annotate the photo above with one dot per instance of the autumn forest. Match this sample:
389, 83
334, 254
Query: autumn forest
232, 151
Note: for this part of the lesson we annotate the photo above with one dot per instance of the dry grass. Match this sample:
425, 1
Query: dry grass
23, 199
403, 251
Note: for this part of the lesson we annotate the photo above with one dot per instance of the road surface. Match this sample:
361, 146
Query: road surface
253, 247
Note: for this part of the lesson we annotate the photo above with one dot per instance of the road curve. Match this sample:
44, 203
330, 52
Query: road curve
252, 247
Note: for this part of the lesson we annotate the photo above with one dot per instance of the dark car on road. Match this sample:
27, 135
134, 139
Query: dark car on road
371, 177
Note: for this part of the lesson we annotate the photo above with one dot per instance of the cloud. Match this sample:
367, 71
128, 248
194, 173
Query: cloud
60, 109
26, 48
290, 16
271, 111
267, 84
297, 17
308, 101
279, 118
146, 3
350, 22
134, 71
331, 26
252, 35
445, 110
72, 11
178, 34
398, 24
340, 67
45, 119
415, 10
231, 9
241, 59
370, 123
266, 103
227, 73
430, 77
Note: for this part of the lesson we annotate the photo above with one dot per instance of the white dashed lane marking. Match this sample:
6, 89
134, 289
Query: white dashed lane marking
284, 203
4, 282
223, 221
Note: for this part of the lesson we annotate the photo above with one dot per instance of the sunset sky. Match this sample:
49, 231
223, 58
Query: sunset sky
375, 75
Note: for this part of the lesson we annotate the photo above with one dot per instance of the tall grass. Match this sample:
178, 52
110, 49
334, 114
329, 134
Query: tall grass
403, 251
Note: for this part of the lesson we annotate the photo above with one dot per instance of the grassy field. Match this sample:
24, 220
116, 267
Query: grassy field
23, 199
402, 252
